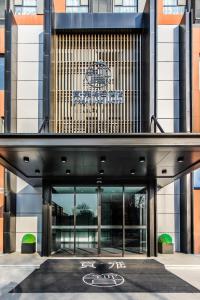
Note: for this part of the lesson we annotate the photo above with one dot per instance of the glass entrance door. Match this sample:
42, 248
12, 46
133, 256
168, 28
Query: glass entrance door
63, 221
135, 220
111, 221
104, 221
86, 235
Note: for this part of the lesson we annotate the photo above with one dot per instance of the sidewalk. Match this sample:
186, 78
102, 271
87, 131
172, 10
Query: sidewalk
21, 260
179, 260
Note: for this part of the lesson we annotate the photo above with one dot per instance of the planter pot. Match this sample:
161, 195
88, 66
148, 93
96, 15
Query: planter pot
166, 248
28, 248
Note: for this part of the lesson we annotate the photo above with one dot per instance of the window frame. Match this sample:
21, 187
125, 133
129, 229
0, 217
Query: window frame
76, 7
125, 6
2, 83
23, 7
177, 6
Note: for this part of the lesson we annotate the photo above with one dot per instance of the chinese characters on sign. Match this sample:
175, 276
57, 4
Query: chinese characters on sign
111, 265
97, 97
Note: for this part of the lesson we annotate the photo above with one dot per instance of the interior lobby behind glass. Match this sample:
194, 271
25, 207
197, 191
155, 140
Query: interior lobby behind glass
106, 221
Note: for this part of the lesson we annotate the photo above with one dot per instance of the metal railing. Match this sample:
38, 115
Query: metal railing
2, 125
156, 124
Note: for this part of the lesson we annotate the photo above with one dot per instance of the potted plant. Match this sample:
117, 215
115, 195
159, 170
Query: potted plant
28, 243
165, 244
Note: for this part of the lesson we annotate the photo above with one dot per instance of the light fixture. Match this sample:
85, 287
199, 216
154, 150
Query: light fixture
103, 159
26, 159
180, 159
63, 159
101, 172
164, 171
68, 172
132, 172
37, 171
99, 180
142, 159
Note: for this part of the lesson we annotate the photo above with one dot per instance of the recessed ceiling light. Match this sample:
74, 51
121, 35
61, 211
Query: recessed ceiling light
101, 172
103, 159
63, 159
142, 159
37, 171
164, 171
26, 159
99, 180
68, 172
132, 172
180, 159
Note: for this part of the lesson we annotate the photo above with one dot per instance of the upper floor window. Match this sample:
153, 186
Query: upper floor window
196, 179
125, 6
174, 7
2, 9
25, 7
76, 6
1, 73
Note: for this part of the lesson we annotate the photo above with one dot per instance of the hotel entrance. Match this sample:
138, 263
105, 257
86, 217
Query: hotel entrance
99, 221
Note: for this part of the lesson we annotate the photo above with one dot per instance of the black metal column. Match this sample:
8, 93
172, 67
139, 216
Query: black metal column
8, 79
9, 218
151, 220
149, 69
47, 62
186, 214
46, 220
186, 126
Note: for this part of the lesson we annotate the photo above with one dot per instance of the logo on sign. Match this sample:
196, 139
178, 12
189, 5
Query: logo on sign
103, 280
98, 77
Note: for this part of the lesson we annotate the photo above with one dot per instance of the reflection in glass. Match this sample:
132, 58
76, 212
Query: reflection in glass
86, 221
120, 228
135, 220
111, 221
63, 220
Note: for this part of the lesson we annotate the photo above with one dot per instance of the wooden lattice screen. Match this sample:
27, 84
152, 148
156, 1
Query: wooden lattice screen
74, 54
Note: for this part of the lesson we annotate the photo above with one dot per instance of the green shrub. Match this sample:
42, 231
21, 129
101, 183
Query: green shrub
28, 239
165, 239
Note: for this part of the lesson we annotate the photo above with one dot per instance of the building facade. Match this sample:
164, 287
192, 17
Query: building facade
100, 115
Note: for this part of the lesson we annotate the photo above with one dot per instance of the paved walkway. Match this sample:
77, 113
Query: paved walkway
14, 268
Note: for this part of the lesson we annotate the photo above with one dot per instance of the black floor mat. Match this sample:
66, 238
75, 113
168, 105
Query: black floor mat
103, 276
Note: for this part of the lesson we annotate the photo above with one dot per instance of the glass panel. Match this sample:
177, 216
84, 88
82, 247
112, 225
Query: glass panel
2, 66
182, 2
2, 9
63, 220
29, 10
73, 2
86, 221
83, 9
135, 220
118, 2
30, 3
170, 2
78, 9
196, 179
84, 2
181, 9
125, 9
18, 10
130, 2
111, 221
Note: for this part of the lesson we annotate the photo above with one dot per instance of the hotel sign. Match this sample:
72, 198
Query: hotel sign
98, 77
